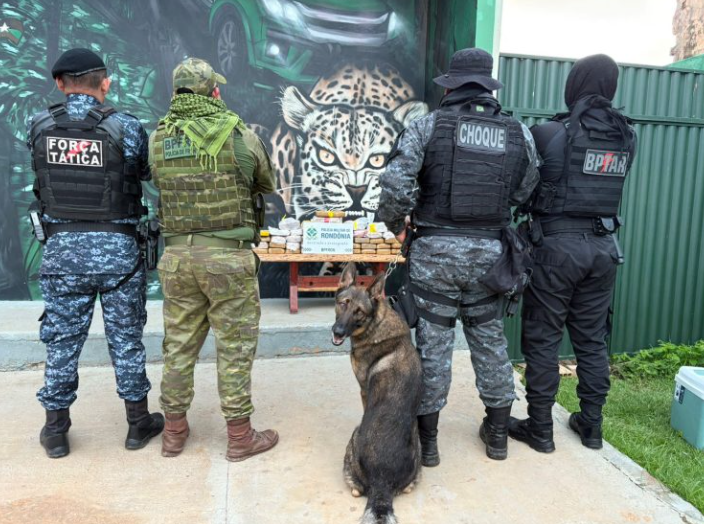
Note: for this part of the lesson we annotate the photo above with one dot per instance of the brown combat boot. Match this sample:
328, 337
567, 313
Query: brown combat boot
244, 442
176, 431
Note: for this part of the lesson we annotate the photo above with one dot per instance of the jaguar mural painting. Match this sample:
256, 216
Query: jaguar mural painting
334, 142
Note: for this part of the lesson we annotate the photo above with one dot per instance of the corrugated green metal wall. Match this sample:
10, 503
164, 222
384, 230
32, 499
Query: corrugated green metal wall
660, 289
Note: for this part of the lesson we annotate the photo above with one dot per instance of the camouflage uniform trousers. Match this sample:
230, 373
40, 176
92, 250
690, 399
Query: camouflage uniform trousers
204, 288
69, 301
452, 266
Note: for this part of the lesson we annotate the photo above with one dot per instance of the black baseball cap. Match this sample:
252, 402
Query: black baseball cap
77, 62
472, 65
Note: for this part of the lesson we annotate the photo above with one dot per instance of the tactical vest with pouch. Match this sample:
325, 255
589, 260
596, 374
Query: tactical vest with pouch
193, 199
81, 173
472, 165
594, 173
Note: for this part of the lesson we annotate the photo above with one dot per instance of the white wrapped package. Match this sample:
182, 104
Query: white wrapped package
361, 223
295, 239
274, 232
263, 245
296, 232
289, 224
277, 241
374, 235
378, 227
293, 246
361, 233
388, 235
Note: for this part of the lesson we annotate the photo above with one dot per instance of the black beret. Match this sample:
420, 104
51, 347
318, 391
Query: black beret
77, 62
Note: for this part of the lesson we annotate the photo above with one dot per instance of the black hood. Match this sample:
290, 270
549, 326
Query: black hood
466, 93
603, 120
589, 92
592, 75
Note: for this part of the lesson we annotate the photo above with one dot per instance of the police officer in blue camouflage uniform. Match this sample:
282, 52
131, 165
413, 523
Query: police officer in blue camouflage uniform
457, 171
89, 161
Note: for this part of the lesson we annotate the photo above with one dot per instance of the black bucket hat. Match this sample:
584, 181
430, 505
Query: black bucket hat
470, 66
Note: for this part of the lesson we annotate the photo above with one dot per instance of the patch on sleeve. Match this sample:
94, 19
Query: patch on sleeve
605, 163
177, 147
81, 152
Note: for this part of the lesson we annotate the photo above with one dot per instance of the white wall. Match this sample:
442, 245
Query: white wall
630, 31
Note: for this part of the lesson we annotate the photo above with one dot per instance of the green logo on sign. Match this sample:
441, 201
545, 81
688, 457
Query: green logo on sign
312, 233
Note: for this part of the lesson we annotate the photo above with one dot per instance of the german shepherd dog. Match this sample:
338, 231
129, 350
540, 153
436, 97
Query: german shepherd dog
383, 456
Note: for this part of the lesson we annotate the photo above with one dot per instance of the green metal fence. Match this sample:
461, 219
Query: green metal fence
660, 289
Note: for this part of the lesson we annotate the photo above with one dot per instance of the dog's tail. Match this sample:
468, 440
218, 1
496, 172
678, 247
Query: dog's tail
380, 508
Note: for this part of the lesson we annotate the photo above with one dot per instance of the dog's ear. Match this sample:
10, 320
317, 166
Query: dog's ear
349, 275
376, 288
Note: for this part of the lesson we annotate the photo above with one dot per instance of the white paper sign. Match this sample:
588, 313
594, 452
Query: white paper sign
320, 238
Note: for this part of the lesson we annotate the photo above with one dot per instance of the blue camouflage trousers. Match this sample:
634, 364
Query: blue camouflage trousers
452, 266
69, 301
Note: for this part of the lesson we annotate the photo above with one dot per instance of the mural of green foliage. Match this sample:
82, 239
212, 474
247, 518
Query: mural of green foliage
262, 47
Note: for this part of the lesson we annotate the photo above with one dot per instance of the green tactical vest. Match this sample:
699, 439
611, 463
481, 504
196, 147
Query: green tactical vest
193, 200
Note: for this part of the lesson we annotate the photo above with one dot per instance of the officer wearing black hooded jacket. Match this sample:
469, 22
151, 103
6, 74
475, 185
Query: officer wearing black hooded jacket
587, 154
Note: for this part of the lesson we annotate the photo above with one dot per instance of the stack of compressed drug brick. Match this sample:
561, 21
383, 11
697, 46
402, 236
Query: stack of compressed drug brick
374, 239
277, 242
361, 230
285, 239
390, 240
295, 237
263, 246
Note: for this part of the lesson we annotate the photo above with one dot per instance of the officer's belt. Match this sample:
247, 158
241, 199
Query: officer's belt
423, 231
200, 240
442, 320
568, 225
91, 227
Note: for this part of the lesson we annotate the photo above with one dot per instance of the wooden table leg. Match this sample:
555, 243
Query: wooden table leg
379, 267
293, 287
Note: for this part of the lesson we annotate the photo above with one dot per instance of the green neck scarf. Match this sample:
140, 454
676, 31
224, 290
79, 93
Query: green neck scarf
207, 123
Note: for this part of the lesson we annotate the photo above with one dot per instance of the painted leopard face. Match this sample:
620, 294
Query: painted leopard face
343, 150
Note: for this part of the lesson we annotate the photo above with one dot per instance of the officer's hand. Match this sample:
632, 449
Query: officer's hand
401, 237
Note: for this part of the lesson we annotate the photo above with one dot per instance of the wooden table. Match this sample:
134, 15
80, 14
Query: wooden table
308, 284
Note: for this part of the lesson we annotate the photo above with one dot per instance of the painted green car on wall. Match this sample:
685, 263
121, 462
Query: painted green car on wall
296, 40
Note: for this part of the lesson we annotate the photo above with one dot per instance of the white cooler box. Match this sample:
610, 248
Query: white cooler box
687, 414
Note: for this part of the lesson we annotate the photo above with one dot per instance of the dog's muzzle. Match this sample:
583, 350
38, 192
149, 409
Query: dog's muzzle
337, 337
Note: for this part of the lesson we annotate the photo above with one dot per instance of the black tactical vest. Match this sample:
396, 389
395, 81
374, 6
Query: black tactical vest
472, 164
594, 172
80, 168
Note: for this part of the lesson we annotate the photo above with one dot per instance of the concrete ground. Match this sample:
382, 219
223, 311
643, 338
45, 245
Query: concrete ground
314, 403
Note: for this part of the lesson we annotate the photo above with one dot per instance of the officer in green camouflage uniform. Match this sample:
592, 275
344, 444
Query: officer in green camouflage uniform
210, 171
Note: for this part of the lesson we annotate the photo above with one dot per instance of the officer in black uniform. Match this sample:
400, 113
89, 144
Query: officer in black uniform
587, 154
89, 162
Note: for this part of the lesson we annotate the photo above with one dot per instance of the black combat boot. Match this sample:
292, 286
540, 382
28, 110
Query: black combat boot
142, 424
428, 430
589, 433
494, 432
54, 434
536, 430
